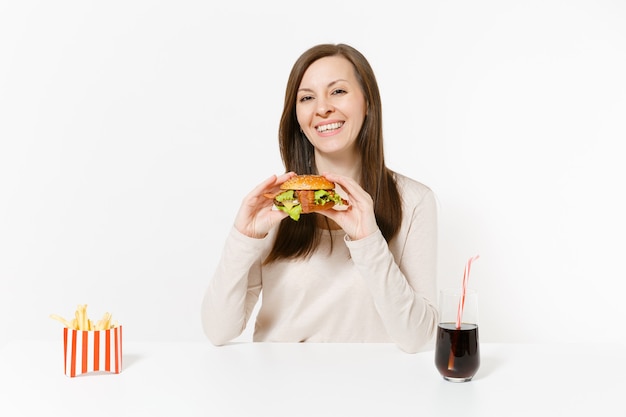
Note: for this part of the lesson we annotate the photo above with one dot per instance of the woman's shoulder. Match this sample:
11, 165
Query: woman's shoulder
411, 190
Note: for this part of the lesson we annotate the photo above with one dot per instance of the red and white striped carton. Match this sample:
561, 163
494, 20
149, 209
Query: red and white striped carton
92, 351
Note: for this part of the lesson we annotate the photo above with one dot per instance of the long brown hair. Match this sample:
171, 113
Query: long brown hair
295, 239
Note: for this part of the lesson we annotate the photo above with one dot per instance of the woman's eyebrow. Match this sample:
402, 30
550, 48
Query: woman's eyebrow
330, 84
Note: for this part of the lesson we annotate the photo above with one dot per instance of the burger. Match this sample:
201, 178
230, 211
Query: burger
304, 194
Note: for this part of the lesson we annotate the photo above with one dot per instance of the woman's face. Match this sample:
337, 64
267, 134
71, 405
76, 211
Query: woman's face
330, 106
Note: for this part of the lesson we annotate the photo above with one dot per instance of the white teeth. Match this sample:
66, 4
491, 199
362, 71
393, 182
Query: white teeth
330, 126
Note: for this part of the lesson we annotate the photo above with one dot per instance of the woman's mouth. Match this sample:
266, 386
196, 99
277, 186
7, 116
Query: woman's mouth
329, 127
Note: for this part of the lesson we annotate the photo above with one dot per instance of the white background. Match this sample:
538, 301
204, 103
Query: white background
130, 131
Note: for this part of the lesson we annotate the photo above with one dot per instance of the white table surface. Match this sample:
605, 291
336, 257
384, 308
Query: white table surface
262, 379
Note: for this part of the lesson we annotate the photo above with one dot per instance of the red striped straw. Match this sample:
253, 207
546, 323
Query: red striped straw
466, 274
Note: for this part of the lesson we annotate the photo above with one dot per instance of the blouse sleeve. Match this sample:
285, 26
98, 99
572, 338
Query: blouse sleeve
234, 288
402, 275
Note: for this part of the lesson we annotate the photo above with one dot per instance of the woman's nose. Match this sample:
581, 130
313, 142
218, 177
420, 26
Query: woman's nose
324, 107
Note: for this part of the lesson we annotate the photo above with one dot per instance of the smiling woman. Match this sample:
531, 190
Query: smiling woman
381, 249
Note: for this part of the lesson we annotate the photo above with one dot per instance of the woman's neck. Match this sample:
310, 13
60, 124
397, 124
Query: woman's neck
347, 167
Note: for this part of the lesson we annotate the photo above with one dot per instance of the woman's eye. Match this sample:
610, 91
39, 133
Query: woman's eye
339, 91
305, 98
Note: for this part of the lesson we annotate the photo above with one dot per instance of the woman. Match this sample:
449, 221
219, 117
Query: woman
365, 274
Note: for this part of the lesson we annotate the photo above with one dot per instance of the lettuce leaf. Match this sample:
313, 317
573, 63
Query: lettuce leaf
289, 204
284, 196
323, 196
293, 211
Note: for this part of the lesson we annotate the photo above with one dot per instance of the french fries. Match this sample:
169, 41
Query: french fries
82, 322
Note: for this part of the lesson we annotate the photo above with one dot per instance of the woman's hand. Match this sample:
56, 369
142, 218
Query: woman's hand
358, 221
256, 216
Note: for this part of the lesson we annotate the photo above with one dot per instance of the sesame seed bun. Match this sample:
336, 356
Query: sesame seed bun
307, 182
